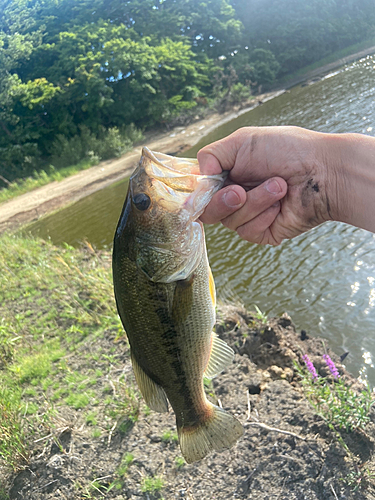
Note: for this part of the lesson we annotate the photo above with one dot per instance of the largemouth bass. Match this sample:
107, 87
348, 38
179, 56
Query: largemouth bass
165, 296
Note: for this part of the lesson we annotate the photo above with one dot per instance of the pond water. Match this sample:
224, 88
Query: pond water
324, 279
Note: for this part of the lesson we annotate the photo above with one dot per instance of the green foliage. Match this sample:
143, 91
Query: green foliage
13, 447
126, 461
358, 478
337, 403
261, 316
107, 144
152, 484
179, 462
169, 437
74, 75
238, 93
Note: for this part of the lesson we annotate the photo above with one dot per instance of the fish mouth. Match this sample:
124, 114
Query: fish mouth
168, 195
177, 183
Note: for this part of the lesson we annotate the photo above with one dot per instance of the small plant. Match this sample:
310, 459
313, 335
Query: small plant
261, 315
179, 462
357, 478
152, 484
339, 405
91, 418
126, 461
13, 446
96, 432
169, 437
3, 494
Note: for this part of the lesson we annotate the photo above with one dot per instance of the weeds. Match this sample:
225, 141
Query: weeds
357, 479
169, 437
70, 156
179, 462
261, 316
152, 484
336, 402
13, 447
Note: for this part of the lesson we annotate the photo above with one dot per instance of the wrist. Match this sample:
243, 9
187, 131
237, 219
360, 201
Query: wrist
352, 179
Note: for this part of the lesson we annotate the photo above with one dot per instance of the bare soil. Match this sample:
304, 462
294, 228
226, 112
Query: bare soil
263, 389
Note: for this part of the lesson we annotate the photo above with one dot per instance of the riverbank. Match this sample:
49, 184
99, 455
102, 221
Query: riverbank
73, 424
314, 74
33, 205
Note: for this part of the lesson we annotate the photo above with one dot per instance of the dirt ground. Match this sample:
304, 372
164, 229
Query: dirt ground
287, 451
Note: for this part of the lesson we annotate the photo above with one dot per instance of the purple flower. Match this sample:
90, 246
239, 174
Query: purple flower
332, 367
310, 366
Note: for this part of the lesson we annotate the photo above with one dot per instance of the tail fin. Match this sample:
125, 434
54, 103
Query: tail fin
219, 432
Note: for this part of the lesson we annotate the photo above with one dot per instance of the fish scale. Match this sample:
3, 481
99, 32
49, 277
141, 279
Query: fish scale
165, 297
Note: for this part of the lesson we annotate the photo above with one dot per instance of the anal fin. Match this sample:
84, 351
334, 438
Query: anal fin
152, 393
221, 357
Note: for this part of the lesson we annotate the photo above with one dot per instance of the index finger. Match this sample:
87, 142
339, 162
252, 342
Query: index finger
220, 155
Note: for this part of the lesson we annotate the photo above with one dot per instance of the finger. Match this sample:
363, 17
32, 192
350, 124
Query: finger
259, 229
224, 203
220, 155
258, 200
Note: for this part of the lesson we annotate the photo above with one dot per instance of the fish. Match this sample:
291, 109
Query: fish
165, 297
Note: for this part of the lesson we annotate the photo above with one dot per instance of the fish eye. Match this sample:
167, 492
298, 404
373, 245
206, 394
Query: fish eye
142, 201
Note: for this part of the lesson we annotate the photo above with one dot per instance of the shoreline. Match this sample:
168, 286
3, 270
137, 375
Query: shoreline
34, 204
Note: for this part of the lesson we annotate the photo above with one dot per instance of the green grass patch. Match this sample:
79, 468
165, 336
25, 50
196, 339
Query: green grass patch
13, 448
58, 326
169, 437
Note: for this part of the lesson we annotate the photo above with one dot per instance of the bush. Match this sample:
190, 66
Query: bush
238, 93
109, 143
19, 160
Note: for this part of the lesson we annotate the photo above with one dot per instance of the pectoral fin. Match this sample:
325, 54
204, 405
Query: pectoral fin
152, 393
221, 356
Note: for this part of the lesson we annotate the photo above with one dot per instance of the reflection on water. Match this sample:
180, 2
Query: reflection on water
324, 279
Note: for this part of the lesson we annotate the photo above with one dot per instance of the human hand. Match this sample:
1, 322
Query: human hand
278, 186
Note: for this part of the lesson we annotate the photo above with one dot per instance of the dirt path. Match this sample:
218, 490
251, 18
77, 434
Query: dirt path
33, 205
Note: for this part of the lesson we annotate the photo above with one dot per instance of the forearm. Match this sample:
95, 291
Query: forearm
353, 187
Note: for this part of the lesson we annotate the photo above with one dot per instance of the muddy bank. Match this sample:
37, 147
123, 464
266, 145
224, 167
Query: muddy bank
287, 452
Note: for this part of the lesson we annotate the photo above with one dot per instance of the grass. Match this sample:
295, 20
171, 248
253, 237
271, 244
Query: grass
179, 462
169, 437
57, 319
261, 316
152, 484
